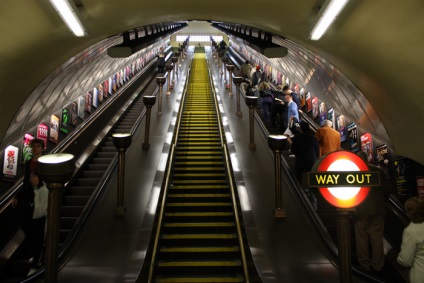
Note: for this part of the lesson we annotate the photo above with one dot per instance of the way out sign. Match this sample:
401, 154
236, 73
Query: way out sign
343, 178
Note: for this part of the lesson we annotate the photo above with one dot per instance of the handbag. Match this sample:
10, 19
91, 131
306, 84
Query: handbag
41, 202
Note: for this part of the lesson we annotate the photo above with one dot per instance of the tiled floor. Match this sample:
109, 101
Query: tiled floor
111, 249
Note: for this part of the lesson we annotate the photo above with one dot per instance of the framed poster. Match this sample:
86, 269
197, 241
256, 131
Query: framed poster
315, 112
95, 97
54, 129
64, 122
308, 102
42, 133
26, 148
322, 113
74, 113
382, 157
81, 107
353, 137
88, 101
115, 83
110, 85
100, 93
341, 128
331, 116
10, 163
366, 146
402, 170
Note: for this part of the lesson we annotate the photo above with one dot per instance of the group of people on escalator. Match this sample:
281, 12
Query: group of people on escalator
307, 146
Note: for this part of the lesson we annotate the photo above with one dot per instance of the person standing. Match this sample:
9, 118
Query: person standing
368, 220
412, 248
245, 73
161, 60
328, 138
306, 149
24, 202
295, 96
292, 114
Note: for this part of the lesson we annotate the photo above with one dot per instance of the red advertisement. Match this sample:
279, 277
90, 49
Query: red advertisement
26, 148
420, 186
42, 133
315, 112
366, 146
309, 102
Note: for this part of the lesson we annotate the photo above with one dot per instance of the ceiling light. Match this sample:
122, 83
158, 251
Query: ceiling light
67, 12
331, 11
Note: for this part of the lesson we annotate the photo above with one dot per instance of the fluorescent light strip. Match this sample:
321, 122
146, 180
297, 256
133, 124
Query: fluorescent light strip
332, 10
68, 15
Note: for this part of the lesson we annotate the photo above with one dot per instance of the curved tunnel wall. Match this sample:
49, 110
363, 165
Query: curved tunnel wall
65, 85
317, 76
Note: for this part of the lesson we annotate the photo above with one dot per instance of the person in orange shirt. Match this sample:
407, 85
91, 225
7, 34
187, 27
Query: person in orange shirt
328, 138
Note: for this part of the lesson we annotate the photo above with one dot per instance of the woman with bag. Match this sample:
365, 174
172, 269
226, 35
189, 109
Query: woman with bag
24, 205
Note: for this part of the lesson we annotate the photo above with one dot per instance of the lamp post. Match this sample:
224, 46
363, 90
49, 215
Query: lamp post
169, 69
251, 102
149, 101
161, 81
277, 143
174, 60
230, 69
237, 82
54, 169
121, 141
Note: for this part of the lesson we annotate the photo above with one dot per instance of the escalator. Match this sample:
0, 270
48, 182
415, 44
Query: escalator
198, 237
81, 192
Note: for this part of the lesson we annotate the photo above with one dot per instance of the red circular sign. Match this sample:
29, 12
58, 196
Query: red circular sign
343, 197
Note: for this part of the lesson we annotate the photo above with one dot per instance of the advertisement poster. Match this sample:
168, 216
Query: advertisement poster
382, 157
64, 123
315, 112
366, 146
114, 83
95, 97
402, 171
353, 137
110, 84
322, 113
81, 106
420, 186
26, 148
42, 133
88, 101
105, 88
54, 128
341, 127
100, 93
308, 102
10, 163
74, 113
332, 117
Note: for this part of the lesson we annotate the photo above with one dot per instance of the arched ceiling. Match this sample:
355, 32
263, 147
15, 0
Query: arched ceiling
377, 44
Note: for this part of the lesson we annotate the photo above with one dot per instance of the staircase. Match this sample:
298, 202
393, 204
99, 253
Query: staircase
198, 238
